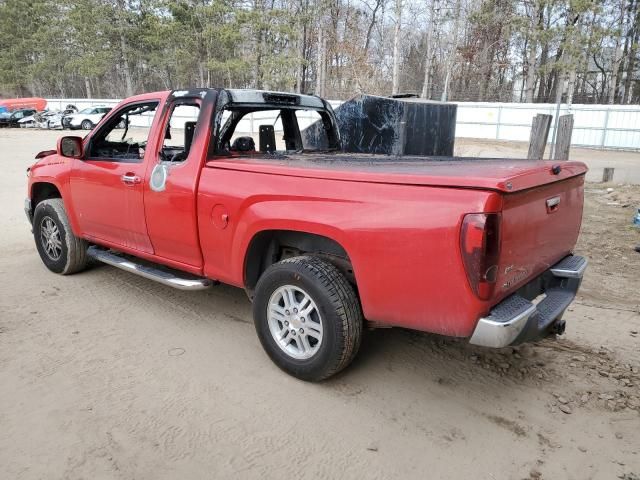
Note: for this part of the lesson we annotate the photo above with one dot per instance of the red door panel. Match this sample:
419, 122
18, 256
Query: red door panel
171, 212
108, 198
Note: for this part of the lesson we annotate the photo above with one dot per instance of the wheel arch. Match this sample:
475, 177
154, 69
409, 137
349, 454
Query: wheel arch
43, 191
47, 187
267, 247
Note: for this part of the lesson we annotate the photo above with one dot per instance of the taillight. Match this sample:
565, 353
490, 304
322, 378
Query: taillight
480, 246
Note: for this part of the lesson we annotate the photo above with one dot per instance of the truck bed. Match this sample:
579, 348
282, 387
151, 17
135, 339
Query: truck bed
500, 174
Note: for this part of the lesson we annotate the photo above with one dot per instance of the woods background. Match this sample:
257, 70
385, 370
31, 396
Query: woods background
579, 51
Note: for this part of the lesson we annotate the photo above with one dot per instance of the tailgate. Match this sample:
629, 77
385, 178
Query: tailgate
539, 227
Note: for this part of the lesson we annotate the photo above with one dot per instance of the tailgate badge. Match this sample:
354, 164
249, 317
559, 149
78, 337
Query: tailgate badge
518, 275
553, 204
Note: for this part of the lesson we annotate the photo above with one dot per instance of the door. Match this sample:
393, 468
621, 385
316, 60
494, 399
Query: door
107, 184
172, 182
15, 118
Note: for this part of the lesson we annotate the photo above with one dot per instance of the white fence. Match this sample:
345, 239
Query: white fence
599, 126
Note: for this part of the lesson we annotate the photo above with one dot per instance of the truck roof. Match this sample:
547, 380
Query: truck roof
253, 97
240, 96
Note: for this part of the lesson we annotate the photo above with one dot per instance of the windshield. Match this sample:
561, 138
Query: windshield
87, 111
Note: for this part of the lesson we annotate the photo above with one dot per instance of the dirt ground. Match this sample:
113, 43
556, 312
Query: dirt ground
105, 375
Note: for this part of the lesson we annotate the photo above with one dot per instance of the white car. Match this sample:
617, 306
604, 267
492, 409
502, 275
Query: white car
85, 119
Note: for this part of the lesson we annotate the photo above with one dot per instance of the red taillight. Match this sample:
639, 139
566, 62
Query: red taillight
480, 246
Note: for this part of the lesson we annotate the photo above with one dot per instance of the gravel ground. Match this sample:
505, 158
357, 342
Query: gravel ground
109, 376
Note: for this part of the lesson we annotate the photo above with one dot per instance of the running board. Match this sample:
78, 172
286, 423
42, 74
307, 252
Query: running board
166, 277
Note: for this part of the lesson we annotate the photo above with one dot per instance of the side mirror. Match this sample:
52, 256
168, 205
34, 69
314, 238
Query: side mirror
70, 147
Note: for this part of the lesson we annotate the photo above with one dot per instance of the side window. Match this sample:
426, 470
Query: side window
124, 137
179, 132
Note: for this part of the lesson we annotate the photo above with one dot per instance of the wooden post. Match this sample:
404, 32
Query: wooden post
563, 138
607, 175
539, 136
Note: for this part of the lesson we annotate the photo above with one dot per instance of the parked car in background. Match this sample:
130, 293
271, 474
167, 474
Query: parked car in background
85, 119
37, 120
28, 121
55, 120
12, 119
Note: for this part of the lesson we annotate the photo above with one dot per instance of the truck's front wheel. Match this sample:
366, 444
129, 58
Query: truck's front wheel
308, 317
60, 250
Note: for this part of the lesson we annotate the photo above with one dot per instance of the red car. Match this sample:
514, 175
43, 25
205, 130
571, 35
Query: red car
322, 241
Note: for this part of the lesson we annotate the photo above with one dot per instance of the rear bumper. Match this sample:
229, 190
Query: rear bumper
517, 319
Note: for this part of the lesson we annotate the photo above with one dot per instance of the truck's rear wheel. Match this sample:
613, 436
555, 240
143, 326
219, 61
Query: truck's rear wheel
60, 250
308, 317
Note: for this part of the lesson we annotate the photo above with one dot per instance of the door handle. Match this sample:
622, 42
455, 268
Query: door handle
553, 204
130, 179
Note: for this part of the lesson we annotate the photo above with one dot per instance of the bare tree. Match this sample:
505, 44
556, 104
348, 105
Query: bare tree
450, 62
396, 47
428, 58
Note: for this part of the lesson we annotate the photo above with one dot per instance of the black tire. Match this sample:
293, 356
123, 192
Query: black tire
338, 306
87, 125
72, 257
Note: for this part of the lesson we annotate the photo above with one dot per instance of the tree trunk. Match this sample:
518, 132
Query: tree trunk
125, 65
634, 34
628, 89
571, 87
530, 80
370, 28
617, 57
488, 71
87, 87
429, 55
545, 81
201, 74
302, 43
454, 51
396, 48
614, 73
320, 61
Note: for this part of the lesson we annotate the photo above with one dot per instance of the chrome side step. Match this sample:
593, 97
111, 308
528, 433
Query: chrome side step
166, 277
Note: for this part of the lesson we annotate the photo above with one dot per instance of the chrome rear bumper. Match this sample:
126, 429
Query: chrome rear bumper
517, 319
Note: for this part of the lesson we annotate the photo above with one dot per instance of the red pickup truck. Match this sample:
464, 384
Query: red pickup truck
169, 186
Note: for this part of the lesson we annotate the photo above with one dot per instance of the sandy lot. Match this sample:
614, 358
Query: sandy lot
105, 375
